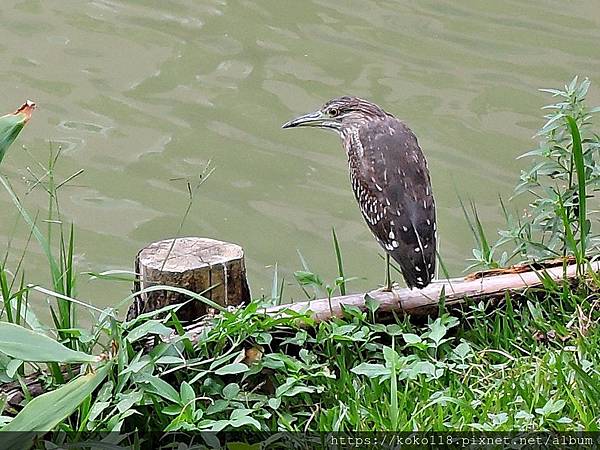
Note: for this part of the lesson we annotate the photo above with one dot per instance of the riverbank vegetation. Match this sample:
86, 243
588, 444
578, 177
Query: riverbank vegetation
528, 363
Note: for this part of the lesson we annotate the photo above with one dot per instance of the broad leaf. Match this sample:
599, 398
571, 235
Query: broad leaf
160, 387
148, 328
371, 370
27, 345
438, 331
231, 369
12, 124
43, 413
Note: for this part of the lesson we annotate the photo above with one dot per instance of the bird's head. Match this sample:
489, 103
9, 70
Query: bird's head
340, 113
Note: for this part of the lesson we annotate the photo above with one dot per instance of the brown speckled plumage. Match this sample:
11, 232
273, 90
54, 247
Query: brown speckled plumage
390, 180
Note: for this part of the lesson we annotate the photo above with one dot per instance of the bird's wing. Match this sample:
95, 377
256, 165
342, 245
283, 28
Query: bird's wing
400, 210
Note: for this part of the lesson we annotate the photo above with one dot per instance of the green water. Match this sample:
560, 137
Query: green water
139, 93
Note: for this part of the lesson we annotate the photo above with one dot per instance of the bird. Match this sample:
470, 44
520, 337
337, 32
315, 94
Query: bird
390, 180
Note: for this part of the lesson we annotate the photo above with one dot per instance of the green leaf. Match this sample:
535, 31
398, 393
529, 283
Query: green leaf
393, 329
162, 287
306, 278
462, 350
12, 124
294, 391
233, 368
231, 391
217, 407
211, 439
391, 356
147, 328
219, 425
551, 407
588, 383
581, 186
27, 345
340, 264
371, 370
438, 331
263, 338
128, 400
43, 413
274, 402
169, 360
246, 420
371, 304
12, 367
240, 412
411, 338
97, 409
172, 410
421, 368
498, 419
187, 393
524, 415
160, 387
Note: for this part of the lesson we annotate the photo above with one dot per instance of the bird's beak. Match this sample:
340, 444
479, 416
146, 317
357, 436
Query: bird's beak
313, 119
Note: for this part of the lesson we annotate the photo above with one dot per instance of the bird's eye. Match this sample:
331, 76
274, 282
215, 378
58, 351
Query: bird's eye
333, 112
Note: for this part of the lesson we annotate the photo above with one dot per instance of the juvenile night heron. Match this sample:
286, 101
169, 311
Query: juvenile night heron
390, 180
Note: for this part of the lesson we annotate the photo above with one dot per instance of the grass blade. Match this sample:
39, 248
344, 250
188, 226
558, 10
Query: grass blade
54, 268
340, 263
275, 286
161, 287
580, 168
43, 413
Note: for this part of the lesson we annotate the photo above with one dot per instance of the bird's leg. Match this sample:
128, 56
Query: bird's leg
388, 275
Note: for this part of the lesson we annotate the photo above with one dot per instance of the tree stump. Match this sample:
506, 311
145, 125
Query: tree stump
200, 265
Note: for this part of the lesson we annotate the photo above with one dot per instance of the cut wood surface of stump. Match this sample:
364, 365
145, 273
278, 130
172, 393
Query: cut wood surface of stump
201, 265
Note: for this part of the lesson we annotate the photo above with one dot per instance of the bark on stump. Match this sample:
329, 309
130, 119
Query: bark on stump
195, 264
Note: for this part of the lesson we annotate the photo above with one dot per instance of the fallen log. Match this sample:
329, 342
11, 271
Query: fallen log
423, 302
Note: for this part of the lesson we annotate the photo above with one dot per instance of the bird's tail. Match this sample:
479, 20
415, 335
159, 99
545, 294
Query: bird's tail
416, 258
